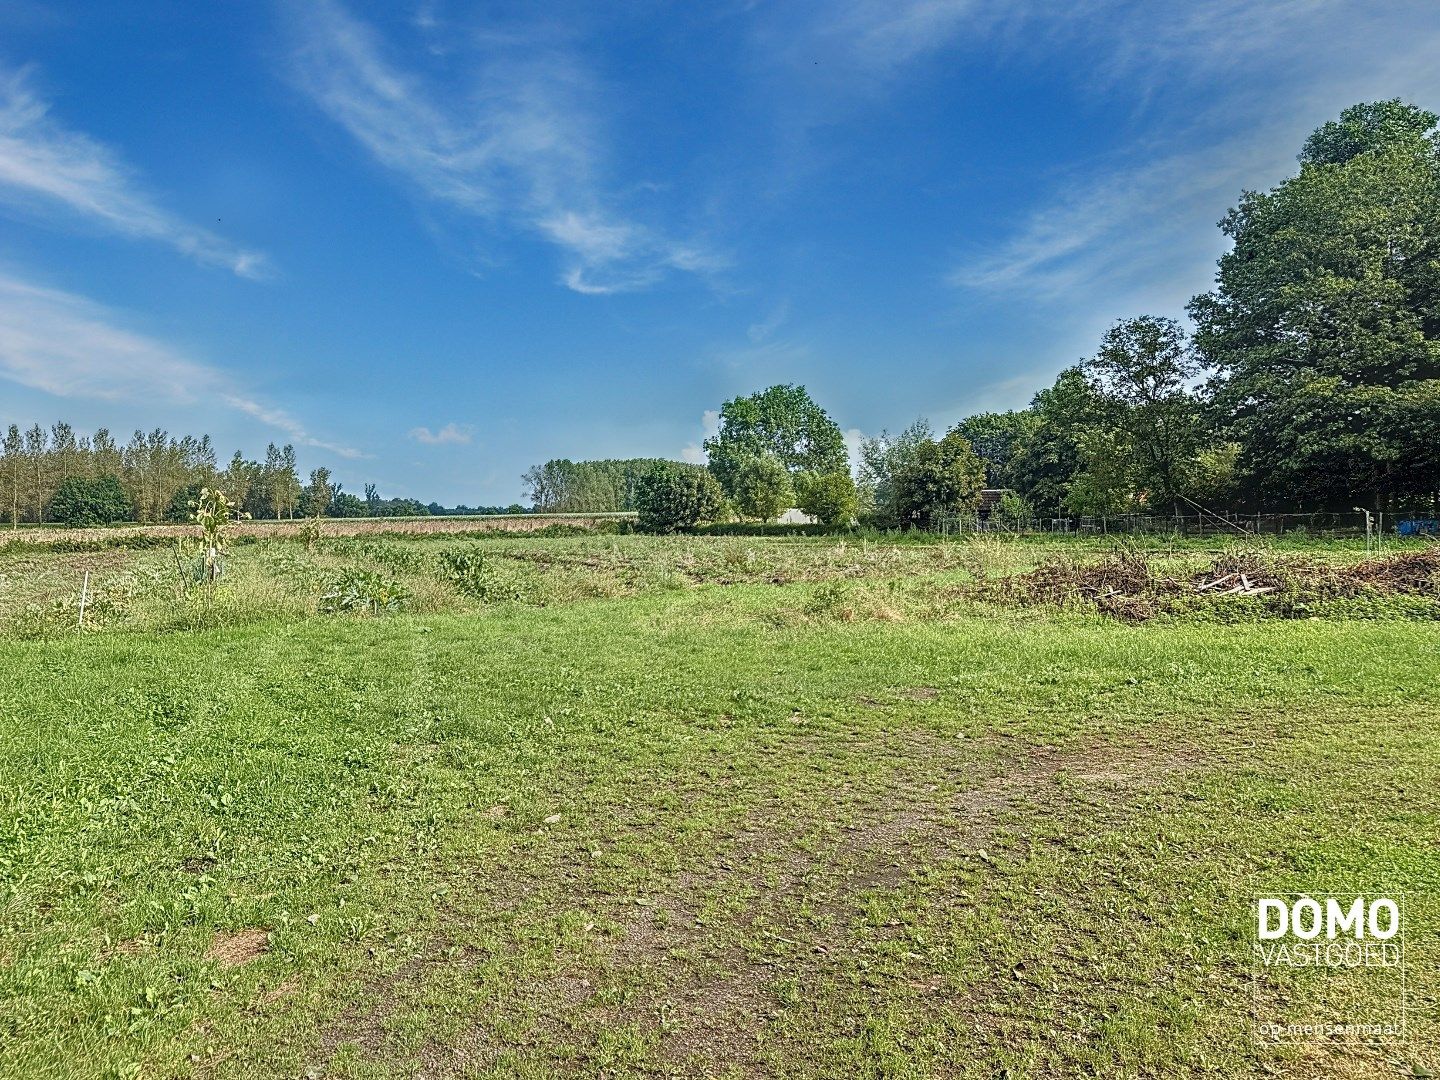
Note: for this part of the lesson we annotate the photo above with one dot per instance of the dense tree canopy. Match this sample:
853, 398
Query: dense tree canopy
781, 422
1067, 416
943, 477
1324, 326
99, 500
762, 488
831, 498
563, 486
997, 437
1144, 380
883, 457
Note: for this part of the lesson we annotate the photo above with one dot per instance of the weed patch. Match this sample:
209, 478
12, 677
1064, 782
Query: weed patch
363, 592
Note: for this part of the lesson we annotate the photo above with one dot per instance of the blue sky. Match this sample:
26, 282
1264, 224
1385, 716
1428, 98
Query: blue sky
434, 242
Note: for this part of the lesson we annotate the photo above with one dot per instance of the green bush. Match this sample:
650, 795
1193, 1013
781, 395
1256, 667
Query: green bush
84, 501
676, 497
760, 488
465, 569
831, 497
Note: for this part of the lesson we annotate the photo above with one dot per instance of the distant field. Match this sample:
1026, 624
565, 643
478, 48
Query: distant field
449, 523
712, 806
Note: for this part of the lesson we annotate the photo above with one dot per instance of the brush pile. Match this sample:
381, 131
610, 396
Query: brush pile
1134, 586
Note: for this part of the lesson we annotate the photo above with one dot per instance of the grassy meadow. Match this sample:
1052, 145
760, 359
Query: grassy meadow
586, 805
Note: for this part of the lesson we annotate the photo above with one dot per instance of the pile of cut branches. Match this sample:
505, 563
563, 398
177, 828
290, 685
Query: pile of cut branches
1128, 584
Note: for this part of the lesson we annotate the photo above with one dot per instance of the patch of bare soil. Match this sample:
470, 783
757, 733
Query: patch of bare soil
920, 693
714, 1018
231, 948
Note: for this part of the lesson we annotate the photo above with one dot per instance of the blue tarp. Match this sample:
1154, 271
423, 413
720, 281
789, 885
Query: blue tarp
1419, 527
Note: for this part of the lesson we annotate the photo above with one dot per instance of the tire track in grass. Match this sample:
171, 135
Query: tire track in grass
695, 972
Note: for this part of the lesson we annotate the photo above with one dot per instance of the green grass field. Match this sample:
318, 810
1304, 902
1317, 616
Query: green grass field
626, 807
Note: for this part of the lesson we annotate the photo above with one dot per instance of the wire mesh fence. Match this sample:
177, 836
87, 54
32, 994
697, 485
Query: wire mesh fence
1327, 523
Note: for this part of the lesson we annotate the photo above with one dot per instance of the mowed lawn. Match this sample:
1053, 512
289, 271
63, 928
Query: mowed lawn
674, 835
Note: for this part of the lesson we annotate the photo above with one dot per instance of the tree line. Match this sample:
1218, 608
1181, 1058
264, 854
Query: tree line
1310, 380
561, 486
58, 475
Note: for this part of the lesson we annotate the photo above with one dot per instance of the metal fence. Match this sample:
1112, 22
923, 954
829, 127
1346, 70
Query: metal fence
1198, 524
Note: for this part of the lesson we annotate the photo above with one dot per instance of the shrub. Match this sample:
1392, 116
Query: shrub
83, 501
674, 497
831, 497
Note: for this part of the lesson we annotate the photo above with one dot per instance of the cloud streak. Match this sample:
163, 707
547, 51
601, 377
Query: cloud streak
69, 346
450, 433
518, 146
1139, 226
49, 171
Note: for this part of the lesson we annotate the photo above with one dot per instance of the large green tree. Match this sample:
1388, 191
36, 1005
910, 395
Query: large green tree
1072, 430
81, 500
1144, 377
996, 438
940, 478
883, 457
1324, 326
782, 422
315, 499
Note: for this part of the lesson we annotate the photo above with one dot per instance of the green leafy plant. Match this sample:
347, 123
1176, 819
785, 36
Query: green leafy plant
363, 592
465, 569
215, 514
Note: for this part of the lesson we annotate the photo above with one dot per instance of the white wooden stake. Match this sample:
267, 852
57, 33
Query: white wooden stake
84, 595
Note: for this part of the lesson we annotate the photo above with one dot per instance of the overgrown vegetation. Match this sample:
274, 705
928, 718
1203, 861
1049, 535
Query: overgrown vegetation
903, 575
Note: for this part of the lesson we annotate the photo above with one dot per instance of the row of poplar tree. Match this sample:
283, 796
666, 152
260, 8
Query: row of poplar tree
46, 474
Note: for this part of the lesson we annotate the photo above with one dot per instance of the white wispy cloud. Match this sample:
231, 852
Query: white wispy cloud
709, 427
1138, 228
450, 433
69, 346
881, 35
763, 330
49, 171
853, 438
519, 146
